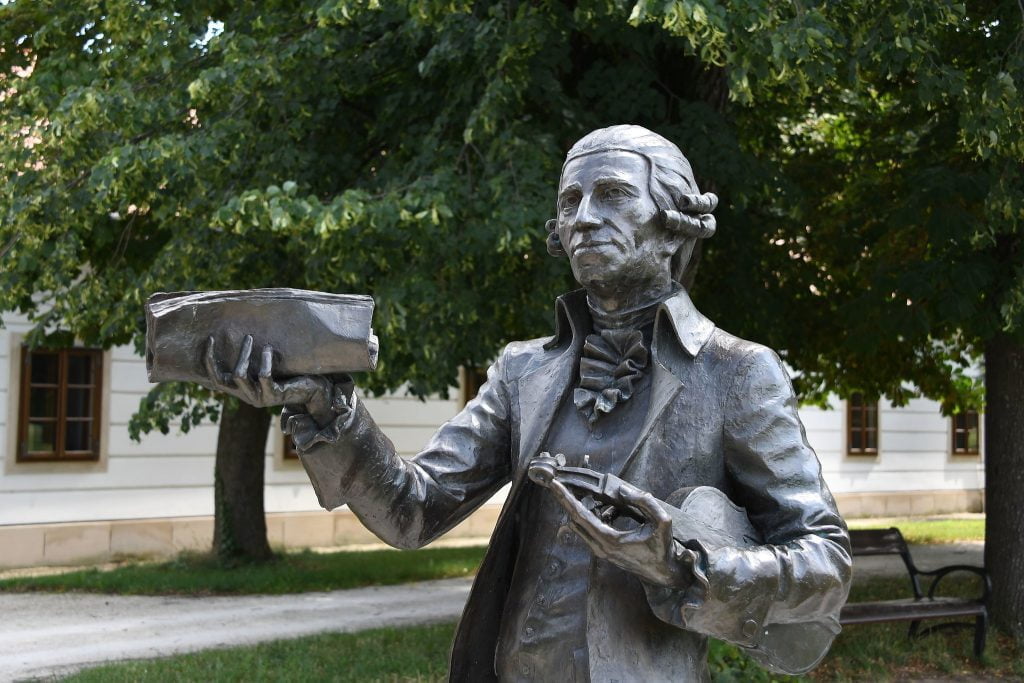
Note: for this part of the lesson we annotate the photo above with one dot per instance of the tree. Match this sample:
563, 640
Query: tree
868, 156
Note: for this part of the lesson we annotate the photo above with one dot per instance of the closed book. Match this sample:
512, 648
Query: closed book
312, 333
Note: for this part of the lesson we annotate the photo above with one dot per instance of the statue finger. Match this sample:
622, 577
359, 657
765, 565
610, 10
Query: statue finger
302, 428
244, 356
603, 542
218, 379
297, 390
268, 387
247, 389
646, 503
583, 520
296, 423
289, 411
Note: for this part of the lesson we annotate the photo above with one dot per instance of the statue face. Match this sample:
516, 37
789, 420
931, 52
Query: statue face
608, 222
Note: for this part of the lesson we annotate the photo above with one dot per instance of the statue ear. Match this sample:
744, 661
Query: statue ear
554, 243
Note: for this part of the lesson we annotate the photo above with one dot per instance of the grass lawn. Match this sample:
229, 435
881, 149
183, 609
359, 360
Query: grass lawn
877, 652
193, 574
197, 574
929, 530
419, 654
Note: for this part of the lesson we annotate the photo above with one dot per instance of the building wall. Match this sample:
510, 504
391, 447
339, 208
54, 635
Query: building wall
164, 475
914, 471
914, 451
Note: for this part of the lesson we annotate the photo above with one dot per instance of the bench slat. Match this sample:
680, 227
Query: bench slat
909, 610
877, 542
916, 609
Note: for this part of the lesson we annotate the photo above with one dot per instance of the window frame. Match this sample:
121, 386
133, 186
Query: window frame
288, 451
864, 430
954, 430
471, 378
95, 419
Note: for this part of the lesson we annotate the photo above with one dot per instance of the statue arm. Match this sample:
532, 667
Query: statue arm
408, 503
802, 572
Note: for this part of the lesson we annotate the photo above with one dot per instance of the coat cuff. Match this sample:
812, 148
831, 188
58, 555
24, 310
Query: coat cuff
720, 606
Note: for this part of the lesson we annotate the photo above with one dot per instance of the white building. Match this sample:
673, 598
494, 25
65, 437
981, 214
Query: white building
74, 487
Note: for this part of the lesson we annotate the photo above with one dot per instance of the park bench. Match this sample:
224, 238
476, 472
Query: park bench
923, 605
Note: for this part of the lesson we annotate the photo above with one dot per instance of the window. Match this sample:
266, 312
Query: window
59, 416
470, 381
288, 451
965, 433
861, 425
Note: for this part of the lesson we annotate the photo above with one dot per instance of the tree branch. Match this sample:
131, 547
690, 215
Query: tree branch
10, 245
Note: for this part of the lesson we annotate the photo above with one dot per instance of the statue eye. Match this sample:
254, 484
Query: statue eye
615, 193
570, 202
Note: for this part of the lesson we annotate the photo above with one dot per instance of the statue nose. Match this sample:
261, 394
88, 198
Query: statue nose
586, 218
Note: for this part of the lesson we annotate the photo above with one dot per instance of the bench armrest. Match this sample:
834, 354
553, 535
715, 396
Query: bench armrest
941, 573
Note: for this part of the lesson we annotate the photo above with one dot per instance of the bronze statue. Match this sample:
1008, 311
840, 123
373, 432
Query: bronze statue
627, 436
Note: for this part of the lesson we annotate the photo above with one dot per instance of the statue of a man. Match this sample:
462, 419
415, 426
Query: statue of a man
634, 382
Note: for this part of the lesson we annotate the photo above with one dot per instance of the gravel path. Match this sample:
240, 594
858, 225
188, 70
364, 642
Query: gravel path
43, 634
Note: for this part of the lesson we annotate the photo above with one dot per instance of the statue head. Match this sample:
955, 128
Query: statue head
627, 179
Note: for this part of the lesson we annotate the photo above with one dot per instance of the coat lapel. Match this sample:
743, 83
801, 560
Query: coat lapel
540, 394
680, 331
541, 391
665, 387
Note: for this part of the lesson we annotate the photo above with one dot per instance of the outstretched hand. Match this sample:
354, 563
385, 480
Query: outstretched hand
649, 551
261, 389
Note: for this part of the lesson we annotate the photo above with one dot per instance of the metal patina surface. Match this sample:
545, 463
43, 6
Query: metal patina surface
682, 500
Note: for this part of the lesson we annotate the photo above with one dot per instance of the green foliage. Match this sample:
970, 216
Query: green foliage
187, 401
192, 574
868, 156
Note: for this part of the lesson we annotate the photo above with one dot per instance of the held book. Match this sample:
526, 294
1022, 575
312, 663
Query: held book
312, 333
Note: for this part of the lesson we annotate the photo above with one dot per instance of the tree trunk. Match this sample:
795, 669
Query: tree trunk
240, 527
1004, 481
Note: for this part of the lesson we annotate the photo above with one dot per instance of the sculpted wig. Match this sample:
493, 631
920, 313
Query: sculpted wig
684, 209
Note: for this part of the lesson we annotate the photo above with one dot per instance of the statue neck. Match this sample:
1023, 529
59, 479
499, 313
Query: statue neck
635, 313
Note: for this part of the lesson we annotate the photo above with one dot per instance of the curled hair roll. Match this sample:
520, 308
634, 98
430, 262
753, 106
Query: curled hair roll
700, 226
694, 218
699, 203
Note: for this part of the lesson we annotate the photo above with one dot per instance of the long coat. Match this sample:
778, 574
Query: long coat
722, 413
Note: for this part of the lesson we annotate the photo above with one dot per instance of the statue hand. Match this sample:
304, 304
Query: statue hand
649, 550
263, 390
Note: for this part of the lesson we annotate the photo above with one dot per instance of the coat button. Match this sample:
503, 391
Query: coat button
749, 629
529, 630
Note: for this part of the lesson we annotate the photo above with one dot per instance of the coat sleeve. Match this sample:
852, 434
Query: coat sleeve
801, 574
408, 503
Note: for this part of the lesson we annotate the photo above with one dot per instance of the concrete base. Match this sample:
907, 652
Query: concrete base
33, 545
910, 503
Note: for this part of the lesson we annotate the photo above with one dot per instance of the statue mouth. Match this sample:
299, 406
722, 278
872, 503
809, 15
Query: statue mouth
592, 246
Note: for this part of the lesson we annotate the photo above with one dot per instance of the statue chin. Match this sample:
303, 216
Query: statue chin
595, 270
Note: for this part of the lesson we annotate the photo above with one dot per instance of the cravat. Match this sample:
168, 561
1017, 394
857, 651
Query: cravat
613, 361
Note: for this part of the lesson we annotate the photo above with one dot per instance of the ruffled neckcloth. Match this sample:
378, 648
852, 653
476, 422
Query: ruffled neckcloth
614, 359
